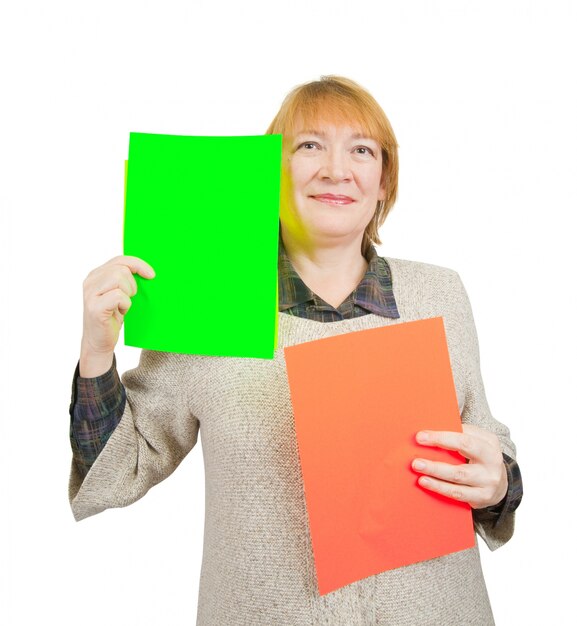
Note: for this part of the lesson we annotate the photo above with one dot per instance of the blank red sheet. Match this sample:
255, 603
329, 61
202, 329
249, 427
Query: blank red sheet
358, 401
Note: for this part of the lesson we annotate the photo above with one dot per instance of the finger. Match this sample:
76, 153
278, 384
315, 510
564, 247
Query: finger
470, 446
110, 283
108, 277
135, 264
461, 493
123, 305
110, 303
461, 473
115, 277
476, 496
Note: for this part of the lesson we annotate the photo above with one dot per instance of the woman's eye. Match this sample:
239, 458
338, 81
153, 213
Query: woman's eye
308, 145
364, 150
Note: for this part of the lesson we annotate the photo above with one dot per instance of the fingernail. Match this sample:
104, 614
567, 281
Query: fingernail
422, 437
419, 465
425, 482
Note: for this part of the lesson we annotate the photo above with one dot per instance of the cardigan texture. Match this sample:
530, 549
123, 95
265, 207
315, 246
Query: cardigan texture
258, 566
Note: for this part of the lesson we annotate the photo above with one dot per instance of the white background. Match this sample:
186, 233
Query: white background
483, 100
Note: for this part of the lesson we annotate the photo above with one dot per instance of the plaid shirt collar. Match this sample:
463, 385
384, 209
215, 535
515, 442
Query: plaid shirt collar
374, 293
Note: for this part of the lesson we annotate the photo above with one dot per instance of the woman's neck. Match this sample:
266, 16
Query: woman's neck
332, 272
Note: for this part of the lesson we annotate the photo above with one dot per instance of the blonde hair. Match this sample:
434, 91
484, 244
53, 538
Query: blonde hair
339, 100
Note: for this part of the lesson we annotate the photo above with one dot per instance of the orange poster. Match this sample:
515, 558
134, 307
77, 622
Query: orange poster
358, 401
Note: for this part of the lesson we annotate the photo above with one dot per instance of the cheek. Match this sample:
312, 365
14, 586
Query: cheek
298, 176
374, 185
301, 169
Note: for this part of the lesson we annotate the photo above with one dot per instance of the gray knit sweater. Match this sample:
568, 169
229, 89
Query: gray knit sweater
258, 564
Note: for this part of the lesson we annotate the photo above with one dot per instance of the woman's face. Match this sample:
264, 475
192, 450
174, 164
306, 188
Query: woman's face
332, 184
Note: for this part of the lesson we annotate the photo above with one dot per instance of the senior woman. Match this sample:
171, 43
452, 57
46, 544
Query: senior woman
339, 182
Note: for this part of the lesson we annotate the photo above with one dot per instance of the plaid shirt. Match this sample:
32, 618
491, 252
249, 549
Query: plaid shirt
374, 294
98, 403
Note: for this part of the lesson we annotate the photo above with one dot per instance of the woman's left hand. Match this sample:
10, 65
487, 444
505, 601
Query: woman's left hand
481, 482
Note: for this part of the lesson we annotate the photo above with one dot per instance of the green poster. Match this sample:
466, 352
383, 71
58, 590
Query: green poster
204, 212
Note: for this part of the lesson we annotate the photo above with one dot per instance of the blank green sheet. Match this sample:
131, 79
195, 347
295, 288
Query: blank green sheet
204, 212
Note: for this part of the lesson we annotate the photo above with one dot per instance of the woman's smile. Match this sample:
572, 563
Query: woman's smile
329, 198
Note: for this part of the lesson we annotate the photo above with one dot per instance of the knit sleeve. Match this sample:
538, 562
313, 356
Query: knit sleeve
155, 433
476, 411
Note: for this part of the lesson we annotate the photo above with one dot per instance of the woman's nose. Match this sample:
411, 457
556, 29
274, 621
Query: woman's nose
335, 166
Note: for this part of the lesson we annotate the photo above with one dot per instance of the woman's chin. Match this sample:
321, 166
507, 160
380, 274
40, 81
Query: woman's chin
335, 233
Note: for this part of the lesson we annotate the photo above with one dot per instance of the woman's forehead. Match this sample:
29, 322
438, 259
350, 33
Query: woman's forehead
322, 122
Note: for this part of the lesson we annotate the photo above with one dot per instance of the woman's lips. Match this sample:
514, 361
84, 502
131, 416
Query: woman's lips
329, 198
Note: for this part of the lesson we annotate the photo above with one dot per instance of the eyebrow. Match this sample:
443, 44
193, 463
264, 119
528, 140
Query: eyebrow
319, 133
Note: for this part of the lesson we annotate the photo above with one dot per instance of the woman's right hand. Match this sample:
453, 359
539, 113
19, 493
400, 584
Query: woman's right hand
107, 293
